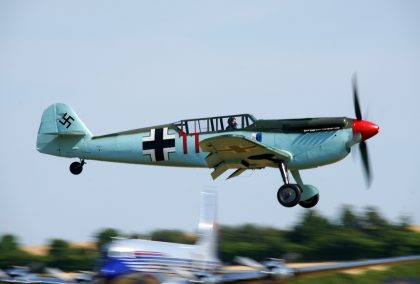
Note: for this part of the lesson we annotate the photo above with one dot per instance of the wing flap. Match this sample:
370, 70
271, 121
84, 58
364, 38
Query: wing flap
239, 152
219, 170
236, 173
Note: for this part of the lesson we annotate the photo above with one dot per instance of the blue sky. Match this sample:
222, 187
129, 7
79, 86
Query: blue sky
128, 64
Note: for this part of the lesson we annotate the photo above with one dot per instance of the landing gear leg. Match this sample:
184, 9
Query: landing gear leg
288, 194
284, 173
76, 167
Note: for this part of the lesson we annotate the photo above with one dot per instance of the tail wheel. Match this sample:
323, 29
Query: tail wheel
311, 202
288, 195
76, 168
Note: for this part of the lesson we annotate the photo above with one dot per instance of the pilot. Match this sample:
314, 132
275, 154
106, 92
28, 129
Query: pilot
233, 125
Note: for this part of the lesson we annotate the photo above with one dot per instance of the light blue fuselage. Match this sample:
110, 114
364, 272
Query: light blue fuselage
308, 150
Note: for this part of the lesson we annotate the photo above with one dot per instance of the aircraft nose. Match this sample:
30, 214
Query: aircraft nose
366, 128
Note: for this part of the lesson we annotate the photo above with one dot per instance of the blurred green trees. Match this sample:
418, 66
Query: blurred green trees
173, 236
62, 255
351, 236
105, 236
10, 254
8, 243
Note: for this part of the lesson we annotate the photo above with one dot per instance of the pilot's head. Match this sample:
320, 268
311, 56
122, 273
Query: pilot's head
232, 121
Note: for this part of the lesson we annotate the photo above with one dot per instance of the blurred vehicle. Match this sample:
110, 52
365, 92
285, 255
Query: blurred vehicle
143, 261
22, 274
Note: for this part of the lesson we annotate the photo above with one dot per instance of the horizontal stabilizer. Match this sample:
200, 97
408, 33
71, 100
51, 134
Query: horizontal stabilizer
67, 133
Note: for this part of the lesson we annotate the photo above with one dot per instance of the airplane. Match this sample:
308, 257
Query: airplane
239, 142
151, 262
23, 274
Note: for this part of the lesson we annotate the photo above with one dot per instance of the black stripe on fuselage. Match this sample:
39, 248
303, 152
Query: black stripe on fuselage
301, 125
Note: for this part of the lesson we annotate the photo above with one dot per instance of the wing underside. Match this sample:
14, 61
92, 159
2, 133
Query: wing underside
240, 153
340, 266
283, 271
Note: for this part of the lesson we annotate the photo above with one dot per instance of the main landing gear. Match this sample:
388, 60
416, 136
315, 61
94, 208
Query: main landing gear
311, 202
289, 194
76, 167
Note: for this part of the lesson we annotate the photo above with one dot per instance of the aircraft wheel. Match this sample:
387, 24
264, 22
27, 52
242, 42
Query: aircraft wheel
288, 195
311, 202
76, 168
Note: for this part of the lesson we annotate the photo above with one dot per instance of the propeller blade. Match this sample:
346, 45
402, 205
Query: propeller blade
356, 99
366, 163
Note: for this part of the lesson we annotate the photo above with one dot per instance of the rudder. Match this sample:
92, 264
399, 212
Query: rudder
60, 119
59, 122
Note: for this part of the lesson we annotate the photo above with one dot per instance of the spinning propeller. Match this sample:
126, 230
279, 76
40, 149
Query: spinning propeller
365, 129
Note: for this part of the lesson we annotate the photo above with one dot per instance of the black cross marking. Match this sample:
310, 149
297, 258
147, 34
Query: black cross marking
158, 144
66, 120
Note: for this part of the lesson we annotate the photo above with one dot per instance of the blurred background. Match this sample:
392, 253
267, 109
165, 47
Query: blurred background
314, 240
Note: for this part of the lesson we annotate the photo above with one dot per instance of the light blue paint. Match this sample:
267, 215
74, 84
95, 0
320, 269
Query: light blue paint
309, 150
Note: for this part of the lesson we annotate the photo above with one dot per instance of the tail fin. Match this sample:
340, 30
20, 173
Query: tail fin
207, 228
59, 120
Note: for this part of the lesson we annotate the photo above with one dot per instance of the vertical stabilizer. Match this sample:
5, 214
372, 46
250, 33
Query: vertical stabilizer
207, 228
61, 119
60, 130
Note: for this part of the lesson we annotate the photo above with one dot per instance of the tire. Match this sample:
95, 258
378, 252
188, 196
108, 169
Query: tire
311, 202
76, 168
288, 195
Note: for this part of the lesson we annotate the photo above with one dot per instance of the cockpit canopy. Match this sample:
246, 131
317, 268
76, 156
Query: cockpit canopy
213, 124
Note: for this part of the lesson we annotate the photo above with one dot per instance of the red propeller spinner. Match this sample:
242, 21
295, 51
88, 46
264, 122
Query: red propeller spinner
366, 128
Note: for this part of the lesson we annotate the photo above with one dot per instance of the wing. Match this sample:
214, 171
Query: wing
238, 152
239, 275
276, 268
339, 266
